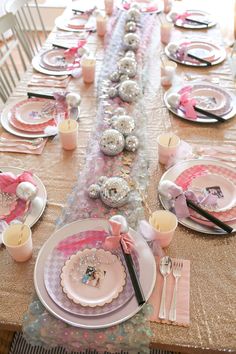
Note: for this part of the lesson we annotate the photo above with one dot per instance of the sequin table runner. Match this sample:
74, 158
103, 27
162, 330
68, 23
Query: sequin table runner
42, 328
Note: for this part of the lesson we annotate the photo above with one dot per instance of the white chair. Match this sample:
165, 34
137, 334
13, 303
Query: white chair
30, 22
13, 55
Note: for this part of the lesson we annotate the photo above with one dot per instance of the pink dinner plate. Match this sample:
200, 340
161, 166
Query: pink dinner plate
54, 59
56, 260
200, 172
78, 21
34, 111
93, 277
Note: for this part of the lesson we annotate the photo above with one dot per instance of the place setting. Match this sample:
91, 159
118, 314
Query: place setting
201, 103
23, 199
101, 275
144, 6
192, 19
195, 53
77, 22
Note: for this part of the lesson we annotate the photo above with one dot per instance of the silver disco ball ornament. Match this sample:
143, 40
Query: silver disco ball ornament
131, 41
124, 124
129, 91
115, 76
94, 191
130, 54
130, 26
112, 92
115, 192
127, 66
112, 142
133, 14
131, 143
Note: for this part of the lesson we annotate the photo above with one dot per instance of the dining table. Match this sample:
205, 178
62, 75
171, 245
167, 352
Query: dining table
212, 256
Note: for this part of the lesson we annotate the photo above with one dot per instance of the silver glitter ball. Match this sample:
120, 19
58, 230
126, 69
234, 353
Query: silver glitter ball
124, 78
129, 91
112, 92
131, 143
130, 26
94, 191
115, 192
127, 66
124, 124
112, 142
115, 76
26, 191
122, 221
130, 54
131, 41
102, 180
133, 14
119, 111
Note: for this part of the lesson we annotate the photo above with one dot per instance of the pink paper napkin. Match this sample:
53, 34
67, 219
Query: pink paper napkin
21, 147
183, 293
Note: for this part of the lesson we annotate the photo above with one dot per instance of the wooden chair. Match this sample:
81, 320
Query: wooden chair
30, 22
13, 55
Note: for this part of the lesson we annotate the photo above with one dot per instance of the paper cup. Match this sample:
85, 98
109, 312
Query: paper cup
88, 69
168, 143
166, 30
18, 241
164, 222
68, 133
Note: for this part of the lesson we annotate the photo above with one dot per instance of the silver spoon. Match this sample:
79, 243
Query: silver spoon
36, 141
165, 269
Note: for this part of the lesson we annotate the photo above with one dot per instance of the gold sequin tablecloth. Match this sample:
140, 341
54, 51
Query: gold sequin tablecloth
212, 299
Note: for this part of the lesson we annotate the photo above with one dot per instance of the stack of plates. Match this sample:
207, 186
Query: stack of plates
84, 285
210, 98
206, 176
146, 6
194, 15
29, 117
213, 53
76, 23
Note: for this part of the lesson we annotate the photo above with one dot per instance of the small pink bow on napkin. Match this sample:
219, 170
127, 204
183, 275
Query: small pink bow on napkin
179, 198
187, 102
126, 6
181, 16
9, 182
113, 242
73, 52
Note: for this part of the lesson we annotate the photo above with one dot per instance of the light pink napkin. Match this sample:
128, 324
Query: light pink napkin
21, 147
183, 294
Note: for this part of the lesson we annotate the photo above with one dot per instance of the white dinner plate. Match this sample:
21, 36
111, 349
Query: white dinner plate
36, 63
210, 52
147, 267
62, 23
195, 15
39, 203
194, 223
224, 102
6, 112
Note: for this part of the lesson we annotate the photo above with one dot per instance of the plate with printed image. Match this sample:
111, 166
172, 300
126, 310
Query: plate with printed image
93, 277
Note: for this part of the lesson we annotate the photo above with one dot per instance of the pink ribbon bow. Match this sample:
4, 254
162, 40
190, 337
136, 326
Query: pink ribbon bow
188, 103
72, 52
182, 16
9, 182
113, 242
126, 6
180, 204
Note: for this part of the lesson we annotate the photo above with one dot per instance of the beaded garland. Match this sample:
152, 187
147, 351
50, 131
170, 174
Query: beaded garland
42, 328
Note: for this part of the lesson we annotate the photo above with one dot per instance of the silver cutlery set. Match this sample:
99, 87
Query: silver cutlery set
166, 267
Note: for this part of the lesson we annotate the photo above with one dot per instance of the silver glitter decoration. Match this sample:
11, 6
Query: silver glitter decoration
102, 180
94, 191
112, 142
131, 143
127, 66
124, 78
131, 41
112, 92
119, 111
130, 26
115, 76
130, 54
129, 91
124, 124
133, 14
115, 192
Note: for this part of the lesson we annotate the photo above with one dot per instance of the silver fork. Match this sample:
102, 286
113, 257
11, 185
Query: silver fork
177, 269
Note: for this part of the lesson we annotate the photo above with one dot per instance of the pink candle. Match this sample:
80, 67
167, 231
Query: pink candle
101, 25
166, 29
88, 69
68, 132
109, 6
